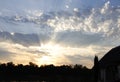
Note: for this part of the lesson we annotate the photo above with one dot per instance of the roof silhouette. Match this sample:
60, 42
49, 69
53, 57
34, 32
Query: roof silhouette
111, 58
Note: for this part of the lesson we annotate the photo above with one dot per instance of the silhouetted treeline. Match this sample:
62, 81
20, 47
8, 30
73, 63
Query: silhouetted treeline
50, 73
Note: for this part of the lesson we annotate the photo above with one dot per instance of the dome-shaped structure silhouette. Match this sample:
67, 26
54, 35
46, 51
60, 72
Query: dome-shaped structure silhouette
111, 58
109, 66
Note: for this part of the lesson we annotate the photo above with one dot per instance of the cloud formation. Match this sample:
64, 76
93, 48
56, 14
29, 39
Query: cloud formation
73, 34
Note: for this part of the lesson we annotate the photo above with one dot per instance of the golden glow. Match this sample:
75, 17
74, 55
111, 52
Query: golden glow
49, 53
54, 52
44, 60
57, 54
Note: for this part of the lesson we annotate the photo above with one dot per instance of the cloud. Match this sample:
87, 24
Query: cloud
78, 59
17, 38
50, 54
5, 54
77, 38
64, 20
86, 20
75, 34
19, 54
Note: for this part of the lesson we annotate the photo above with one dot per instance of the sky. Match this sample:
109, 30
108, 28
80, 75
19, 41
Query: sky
58, 31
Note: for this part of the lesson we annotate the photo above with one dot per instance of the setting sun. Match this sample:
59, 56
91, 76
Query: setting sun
53, 52
51, 48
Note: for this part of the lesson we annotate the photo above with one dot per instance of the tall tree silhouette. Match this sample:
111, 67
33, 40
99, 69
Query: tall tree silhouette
96, 69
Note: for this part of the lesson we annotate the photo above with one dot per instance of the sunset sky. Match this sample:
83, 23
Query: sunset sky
58, 31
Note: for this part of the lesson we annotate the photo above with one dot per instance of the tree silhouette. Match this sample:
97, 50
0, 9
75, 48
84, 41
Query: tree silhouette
96, 68
31, 72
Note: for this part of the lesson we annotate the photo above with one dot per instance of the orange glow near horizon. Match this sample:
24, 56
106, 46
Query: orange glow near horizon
56, 54
49, 53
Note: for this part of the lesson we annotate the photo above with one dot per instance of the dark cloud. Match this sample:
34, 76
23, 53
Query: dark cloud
77, 38
4, 52
5, 55
23, 39
78, 59
40, 53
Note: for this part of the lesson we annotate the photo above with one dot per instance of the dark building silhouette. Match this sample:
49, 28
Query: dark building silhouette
109, 66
